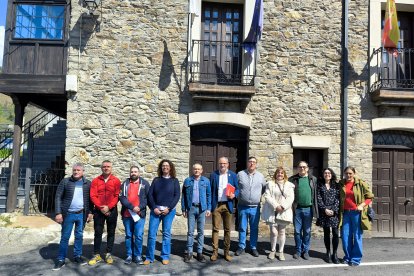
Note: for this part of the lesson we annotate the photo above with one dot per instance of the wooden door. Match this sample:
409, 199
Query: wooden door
220, 48
393, 187
383, 224
403, 193
207, 154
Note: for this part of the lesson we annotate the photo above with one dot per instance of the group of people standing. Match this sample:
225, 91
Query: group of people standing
279, 202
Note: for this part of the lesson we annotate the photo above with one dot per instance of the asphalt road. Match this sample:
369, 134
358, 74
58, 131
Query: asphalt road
379, 258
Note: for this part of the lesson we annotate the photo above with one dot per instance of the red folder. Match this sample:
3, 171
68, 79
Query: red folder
230, 189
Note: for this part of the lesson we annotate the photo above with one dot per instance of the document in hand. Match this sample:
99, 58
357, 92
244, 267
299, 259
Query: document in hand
134, 215
230, 189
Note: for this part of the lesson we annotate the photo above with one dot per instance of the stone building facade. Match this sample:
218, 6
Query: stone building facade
135, 103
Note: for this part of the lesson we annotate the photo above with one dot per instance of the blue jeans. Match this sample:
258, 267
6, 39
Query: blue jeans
134, 233
251, 215
303, 223
67, 226
154, 223
193, 216
351, 233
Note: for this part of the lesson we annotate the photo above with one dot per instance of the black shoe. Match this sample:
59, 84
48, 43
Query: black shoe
188, 257
328, 257
353, 264
79, 260
58, 265
239, 251
305, 256
296, 256
343, 261
335, 259
255, 253
201, 258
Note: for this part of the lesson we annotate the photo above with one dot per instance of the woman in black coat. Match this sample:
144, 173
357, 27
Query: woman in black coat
328, 204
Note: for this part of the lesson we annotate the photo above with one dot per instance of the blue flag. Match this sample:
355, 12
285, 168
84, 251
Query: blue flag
256, 28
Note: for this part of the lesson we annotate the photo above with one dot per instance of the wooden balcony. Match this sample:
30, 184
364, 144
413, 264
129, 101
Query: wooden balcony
221, 71
393, 75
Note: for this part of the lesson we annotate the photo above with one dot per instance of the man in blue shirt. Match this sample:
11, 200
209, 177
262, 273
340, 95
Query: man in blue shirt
196, 205
72, 207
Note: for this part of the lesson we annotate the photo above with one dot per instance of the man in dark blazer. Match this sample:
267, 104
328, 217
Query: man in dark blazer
222, 204
72, 207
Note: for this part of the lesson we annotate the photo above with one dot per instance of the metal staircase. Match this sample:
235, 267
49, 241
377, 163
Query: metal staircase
43, 151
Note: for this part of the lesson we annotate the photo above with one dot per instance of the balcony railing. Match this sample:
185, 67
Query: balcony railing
220, 62
392, 70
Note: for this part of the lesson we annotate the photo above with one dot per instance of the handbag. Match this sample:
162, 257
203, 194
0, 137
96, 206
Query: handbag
282, 217
371, 213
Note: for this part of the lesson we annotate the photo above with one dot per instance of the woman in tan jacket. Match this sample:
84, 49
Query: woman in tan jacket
277, 210
355, 196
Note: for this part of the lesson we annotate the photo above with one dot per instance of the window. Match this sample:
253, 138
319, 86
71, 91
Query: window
314, 158
39, 21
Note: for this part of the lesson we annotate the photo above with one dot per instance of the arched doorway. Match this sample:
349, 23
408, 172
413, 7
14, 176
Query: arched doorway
393, 183
211, 141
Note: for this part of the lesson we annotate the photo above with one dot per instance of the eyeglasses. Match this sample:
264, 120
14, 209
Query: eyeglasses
253, 162
302, 167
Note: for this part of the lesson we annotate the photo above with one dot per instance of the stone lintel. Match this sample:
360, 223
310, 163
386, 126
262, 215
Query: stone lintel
311, 142
396, 123
229, 118
221, 89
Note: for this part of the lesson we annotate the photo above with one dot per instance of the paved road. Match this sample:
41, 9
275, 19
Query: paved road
380, 255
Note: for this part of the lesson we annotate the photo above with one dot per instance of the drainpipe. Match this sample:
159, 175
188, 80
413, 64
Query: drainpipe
344, 88
189, 52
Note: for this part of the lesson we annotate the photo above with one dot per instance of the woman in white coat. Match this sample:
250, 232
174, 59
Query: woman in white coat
277, 210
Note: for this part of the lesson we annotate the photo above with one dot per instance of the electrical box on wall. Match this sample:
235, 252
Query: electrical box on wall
71, 83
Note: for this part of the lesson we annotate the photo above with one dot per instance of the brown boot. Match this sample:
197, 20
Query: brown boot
214, 256
227, 256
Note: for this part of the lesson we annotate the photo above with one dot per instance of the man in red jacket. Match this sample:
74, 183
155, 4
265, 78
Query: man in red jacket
104, 195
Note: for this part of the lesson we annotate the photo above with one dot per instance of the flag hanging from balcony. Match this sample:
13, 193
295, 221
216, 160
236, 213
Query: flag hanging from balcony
391, 32
256, 28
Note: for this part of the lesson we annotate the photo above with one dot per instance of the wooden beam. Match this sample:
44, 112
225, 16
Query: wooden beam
32, 84
19, 107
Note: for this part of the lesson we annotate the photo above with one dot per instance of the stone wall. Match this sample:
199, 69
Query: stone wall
132, 103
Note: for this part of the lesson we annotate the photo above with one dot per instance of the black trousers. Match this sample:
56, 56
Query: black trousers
98, 224
327, 236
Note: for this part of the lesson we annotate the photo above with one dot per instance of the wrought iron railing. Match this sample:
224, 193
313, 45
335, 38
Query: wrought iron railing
392, 69
35, 126
43, 185
220, 62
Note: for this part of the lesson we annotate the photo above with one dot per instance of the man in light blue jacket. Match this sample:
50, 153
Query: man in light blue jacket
196, 205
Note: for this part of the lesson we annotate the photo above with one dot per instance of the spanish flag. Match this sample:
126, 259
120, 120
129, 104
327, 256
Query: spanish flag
391, 32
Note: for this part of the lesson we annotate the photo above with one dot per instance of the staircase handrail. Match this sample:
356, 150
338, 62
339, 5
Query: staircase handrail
34, 119
34, 126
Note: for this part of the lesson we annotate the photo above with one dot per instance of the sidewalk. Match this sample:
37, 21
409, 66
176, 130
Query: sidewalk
30, 244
